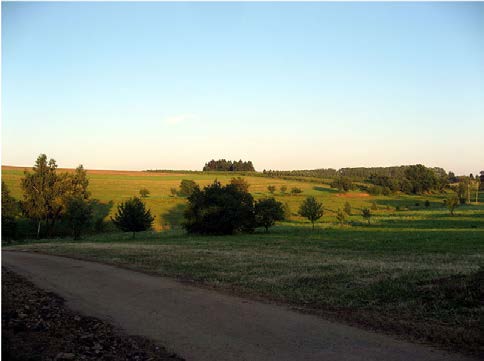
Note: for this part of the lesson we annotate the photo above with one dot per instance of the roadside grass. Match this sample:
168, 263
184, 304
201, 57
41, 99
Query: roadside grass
414, 273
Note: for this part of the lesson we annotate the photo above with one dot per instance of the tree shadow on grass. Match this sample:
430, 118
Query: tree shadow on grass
100, 211
324, 189
173, 218
440, 222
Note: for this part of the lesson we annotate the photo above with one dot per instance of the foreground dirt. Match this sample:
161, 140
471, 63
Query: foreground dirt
37, 326
200, 324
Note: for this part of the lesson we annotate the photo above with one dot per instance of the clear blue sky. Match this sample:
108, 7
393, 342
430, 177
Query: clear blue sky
286, 85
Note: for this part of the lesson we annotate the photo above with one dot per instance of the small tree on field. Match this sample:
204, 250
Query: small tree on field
427, 204
287, 211
78, 215
347, 208
341, 216
366, 213
267, 212
132, 216
296, 190
173, 192
311, 209
271, 189
374, 207
240, 183
187, 187
452, 202
144, 192
283, 189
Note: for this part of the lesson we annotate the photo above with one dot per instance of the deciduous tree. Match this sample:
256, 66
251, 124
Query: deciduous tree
267, 212
187, 187
341, 216
144, 192
452, 202
311, 209
366, 213
347, 208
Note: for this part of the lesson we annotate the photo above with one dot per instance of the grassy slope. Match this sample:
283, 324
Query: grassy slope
118, 186
413, 272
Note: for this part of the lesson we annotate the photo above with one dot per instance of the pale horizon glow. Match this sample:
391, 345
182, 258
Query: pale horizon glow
135, 86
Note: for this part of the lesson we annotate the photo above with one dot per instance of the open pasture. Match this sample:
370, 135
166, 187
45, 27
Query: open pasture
117, 186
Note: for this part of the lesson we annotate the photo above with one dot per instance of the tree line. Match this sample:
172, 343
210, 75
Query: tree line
223, 165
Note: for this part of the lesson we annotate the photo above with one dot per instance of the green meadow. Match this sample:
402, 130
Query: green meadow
414, 272
118, 186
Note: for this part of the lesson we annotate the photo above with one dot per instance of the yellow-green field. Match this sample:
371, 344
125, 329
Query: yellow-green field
117, 186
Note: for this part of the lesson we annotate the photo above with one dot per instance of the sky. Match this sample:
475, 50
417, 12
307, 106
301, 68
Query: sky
287, 85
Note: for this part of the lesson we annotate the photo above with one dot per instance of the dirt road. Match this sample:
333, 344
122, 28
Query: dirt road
200, 324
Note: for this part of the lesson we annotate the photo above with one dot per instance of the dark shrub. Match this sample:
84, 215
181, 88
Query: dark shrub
219, 209
78, 215
144, 192
267, 212
132, 216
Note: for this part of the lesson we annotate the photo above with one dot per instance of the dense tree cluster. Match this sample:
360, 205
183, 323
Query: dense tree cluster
58, 203
223, 165
362, 173
47, 192
229, 209
343, 184
415, 179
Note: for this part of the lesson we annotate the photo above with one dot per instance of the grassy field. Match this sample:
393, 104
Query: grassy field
415, 272
117, 186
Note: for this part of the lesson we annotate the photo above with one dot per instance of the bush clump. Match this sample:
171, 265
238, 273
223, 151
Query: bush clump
220, 209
